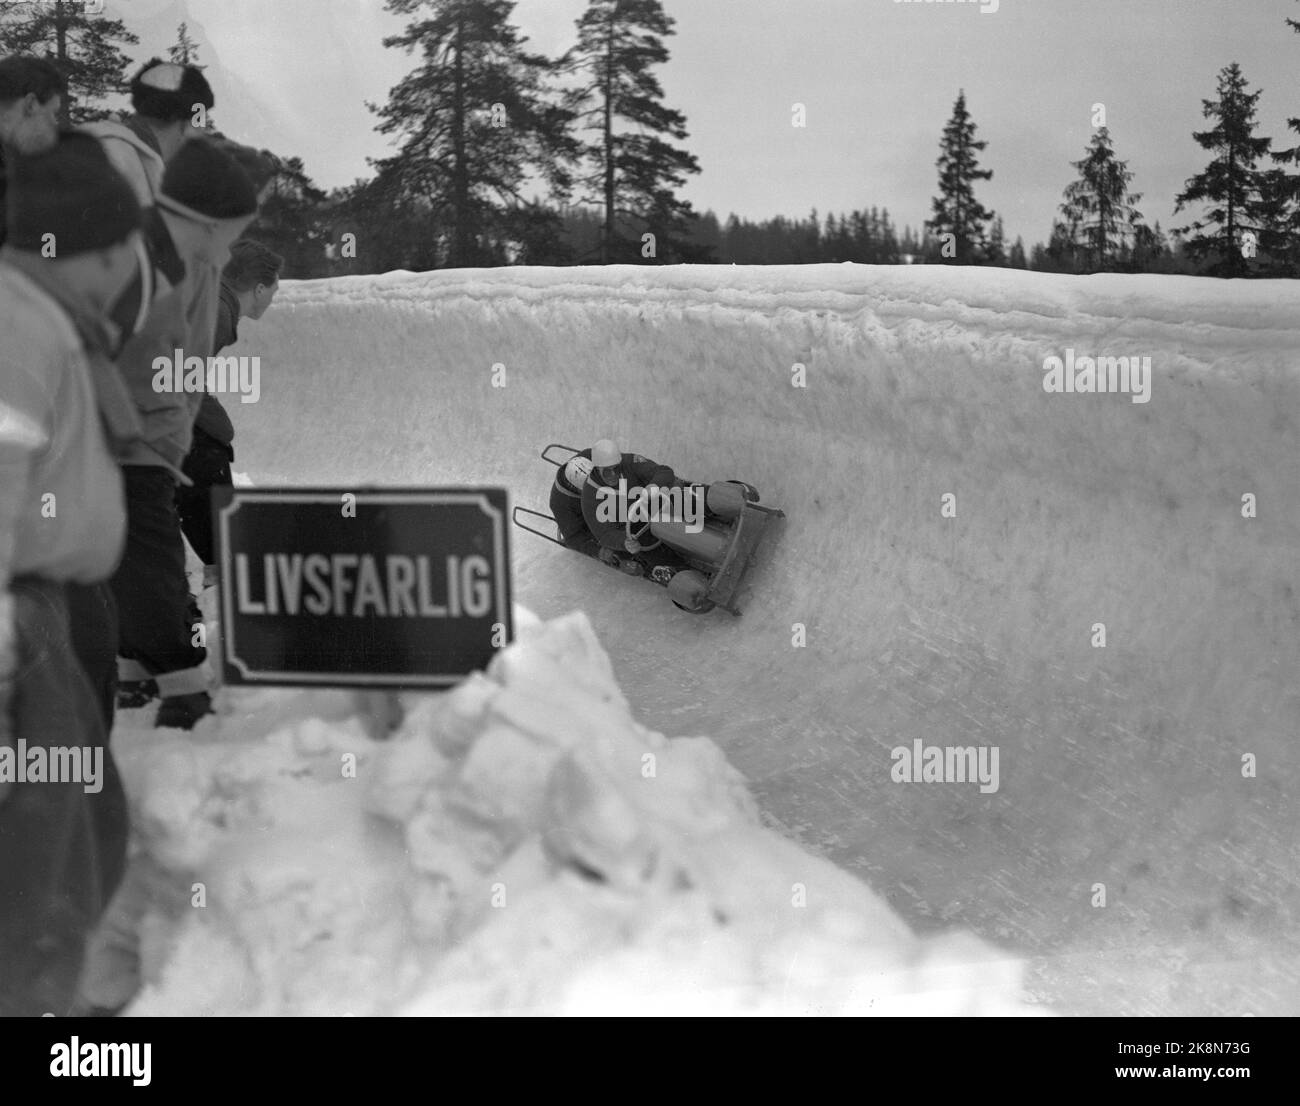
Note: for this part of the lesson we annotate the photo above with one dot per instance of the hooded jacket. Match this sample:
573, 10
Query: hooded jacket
62, 509
134, 152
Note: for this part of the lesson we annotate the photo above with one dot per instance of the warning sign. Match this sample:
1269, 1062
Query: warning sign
382, 588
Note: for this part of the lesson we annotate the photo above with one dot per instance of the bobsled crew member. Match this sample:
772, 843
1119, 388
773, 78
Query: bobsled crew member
609, 465
566, 504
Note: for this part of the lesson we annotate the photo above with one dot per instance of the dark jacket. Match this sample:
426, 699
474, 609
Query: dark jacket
227, 318
212, 420
639, 472
566, 508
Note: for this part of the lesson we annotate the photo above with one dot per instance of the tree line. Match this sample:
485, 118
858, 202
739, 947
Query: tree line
504, 156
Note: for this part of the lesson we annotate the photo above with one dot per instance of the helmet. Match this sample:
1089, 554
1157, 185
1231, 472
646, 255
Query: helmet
577, 470
605, 454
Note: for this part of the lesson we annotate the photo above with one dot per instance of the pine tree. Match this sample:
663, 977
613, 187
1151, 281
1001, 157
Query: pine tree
82, 44
1230, 182
888, 240
956, 211
995, 252
1291, 156
185, 51
478, 126
706, 235
291, 219
634, 171
830, 239
1150, 251
1282, 195
1061, 255
1099, 211
910, 246
1017, 260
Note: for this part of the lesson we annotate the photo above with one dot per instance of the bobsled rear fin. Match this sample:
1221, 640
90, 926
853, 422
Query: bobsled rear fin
534, 514
568, 450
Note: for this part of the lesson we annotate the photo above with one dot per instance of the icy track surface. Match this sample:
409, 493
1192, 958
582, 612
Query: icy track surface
1125, 856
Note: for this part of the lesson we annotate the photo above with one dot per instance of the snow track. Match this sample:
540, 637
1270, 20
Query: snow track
1119, 766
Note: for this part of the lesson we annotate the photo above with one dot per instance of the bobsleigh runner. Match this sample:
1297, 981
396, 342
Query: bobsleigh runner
717, 554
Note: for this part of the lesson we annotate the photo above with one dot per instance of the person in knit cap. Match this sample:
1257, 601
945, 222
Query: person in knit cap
73, 226
206, 202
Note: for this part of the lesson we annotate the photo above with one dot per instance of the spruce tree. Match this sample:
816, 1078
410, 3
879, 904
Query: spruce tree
1150, 251
1100, 212
995, 252
1061, 255
1282, 196
291, 218
81, 42
956, 211
477, 127
1231, 182
632, 170
185, 50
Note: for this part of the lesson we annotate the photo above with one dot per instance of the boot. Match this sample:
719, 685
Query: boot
133, 694
181, 712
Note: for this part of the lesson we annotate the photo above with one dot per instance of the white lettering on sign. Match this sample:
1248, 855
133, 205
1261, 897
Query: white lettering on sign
363, 586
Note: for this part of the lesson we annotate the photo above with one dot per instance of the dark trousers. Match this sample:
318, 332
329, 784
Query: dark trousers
58, 863
208, 465
92, 620
156, 615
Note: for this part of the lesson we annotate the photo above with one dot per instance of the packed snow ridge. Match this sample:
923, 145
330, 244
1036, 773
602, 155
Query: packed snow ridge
520, 844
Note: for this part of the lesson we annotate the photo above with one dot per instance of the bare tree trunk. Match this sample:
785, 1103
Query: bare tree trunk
607, 228
460, 184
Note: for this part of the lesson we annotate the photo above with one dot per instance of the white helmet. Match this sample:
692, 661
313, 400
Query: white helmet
605, 454
576, 471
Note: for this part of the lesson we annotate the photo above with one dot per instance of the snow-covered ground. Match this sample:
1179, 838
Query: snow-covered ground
1125, 855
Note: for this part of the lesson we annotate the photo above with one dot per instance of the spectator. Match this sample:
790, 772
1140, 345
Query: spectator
206, 202
248, 286
31, 92
170, 102
62, 522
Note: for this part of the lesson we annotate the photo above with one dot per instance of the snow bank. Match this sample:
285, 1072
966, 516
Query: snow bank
520, 845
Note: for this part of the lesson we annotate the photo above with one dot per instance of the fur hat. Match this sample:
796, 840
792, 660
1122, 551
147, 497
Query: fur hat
169, 91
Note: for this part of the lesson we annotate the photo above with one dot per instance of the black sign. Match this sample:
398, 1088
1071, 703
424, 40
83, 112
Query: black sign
371, 588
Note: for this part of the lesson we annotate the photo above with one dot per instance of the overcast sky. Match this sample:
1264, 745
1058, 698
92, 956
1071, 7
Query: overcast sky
878, 79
